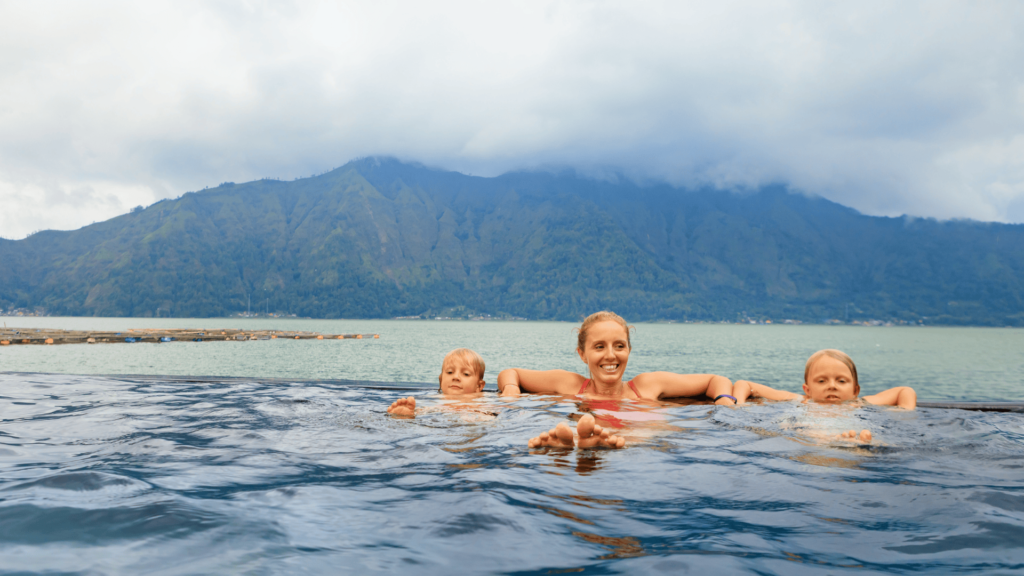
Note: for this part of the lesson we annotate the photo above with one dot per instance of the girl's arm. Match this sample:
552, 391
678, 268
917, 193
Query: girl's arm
902, 396
515, 380
744, 389
672, 385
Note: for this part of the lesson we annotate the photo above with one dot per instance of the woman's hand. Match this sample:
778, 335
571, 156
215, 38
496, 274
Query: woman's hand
508, 383
902, 396
742, 390
513, 381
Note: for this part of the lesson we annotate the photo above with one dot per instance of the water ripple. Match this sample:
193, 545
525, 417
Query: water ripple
122, 475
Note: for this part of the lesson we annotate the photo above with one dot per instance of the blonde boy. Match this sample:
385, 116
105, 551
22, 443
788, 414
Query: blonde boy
462, 372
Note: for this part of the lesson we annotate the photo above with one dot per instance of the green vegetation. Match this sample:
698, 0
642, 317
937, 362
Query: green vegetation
379, 238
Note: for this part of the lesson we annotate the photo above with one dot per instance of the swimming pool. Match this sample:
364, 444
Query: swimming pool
175, 475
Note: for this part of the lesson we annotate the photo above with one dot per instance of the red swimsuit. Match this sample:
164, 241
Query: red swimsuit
609, 412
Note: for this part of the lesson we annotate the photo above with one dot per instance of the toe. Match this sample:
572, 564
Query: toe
586, 426
564, 433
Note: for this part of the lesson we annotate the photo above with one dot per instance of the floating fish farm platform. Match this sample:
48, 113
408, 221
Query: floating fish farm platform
45, 336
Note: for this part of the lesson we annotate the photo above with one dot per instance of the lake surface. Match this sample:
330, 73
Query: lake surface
940, 363
263, 470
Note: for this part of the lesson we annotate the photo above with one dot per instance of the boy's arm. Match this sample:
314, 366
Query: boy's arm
672, 385
515, 380
744, 389
902, 396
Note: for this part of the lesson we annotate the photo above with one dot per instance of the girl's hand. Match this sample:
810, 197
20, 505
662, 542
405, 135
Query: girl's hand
902, 396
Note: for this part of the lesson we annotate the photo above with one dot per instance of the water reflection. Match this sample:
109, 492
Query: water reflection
582, 462
625, 547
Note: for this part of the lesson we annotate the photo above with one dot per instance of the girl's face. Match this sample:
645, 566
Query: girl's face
606, 352
460, 377
829, 380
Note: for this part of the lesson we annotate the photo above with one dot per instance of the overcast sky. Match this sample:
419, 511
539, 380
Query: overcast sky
888, 107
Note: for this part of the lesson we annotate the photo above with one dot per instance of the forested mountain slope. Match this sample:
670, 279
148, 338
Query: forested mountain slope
379, 238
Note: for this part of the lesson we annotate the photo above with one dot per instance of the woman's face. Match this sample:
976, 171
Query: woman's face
606, 352
829, 380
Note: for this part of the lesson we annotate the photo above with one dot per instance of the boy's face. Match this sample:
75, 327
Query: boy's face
829, 380
459, 377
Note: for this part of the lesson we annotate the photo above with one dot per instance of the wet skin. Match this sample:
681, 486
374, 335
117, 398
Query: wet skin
606, 354
591, 435
403, 408
829, 380
457, 378
851, 436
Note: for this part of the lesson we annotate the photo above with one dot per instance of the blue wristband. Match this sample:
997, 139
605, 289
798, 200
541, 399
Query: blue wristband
733, 398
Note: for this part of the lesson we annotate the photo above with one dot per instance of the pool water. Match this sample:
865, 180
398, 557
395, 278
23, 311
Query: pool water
170, 475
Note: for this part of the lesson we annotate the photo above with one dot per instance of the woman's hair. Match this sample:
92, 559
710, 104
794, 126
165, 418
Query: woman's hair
599, 317
835, 355
469, 356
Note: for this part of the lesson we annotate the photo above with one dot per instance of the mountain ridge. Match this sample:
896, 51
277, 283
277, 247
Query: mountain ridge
381, 238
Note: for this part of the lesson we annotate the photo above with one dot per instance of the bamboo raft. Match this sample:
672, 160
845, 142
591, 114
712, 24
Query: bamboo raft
49, 336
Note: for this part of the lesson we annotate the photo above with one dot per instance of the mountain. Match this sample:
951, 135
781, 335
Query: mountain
381, 238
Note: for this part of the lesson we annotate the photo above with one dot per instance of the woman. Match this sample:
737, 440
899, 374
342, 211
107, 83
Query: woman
604, 345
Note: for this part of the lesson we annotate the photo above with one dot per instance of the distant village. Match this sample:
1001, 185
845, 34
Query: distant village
12, 311
453, 314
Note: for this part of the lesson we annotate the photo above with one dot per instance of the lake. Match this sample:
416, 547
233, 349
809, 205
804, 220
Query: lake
282, 460
941, 363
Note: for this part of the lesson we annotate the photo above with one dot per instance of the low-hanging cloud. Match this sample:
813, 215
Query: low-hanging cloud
891, 108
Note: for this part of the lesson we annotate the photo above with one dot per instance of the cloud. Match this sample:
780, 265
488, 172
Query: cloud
911, 107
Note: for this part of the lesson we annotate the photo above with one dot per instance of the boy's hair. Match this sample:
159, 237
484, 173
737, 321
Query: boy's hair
835, 355
469, 356
581, 340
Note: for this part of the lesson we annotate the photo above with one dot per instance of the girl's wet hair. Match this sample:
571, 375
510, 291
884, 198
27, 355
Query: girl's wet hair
581, 340
835, 355
469, 356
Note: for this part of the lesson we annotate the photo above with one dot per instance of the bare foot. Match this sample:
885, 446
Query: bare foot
558, 437
591, 434
403, 408
851, 436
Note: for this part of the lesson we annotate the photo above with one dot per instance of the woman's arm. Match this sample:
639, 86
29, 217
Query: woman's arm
515, 380
744, 389
672, 385
902, 396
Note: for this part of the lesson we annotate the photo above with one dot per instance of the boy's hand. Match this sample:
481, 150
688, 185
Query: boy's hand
403, 408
